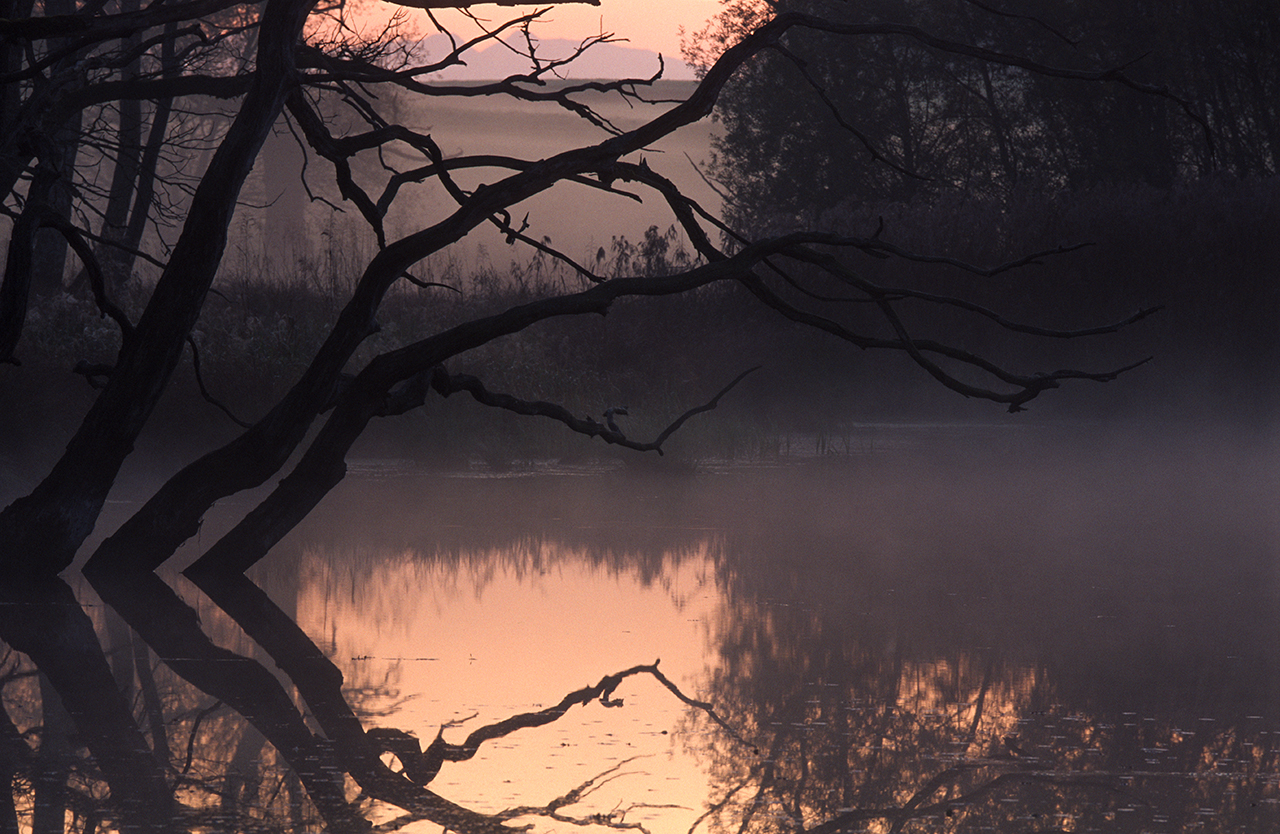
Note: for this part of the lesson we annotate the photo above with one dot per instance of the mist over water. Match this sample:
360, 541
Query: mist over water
1083, 606
849, 599
955, 627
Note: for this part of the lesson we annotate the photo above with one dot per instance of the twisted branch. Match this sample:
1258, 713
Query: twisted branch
446, 384
421, 766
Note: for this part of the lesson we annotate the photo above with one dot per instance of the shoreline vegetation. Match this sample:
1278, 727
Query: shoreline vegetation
1202, 250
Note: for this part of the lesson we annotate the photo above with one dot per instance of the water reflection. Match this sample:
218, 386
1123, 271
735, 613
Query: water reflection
933, 640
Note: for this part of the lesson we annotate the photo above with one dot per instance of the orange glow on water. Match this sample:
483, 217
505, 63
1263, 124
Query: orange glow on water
421, 638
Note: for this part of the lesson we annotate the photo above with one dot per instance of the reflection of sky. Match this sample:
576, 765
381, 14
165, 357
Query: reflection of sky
452, 644
1050, 599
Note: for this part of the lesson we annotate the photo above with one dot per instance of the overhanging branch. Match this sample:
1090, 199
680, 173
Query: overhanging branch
445, 384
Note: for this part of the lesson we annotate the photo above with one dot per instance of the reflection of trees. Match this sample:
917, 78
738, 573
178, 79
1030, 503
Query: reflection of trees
44, 621
547, 523
252, 759
173, 631
855, 729
545, 520
854, 708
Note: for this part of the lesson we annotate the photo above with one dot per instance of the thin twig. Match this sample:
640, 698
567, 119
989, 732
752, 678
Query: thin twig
204, 392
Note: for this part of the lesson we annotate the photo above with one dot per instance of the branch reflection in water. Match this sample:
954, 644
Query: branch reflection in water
893, 642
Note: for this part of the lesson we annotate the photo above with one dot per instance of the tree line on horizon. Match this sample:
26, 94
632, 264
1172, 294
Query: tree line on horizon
888, 119
1172, 198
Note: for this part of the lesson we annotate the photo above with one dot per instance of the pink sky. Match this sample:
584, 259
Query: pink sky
647, 24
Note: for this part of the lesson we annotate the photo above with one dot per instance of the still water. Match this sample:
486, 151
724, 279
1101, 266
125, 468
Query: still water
933, 629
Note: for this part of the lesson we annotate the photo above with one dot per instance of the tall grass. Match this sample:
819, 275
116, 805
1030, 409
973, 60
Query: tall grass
1207, 251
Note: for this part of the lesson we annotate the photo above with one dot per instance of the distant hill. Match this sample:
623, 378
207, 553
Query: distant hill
607, 60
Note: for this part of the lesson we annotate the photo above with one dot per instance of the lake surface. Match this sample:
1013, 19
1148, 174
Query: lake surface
936, 629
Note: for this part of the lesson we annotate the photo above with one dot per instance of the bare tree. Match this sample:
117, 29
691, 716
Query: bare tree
804, 277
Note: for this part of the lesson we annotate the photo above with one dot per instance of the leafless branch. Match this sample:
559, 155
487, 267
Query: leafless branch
204, 392
76, 240
445, 384
1025, 388
1031, 18
195, 730
879, 294
421, 766
915, 807
839, 116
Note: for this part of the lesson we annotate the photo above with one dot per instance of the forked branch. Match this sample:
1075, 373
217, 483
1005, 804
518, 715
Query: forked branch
422, 766
446, 383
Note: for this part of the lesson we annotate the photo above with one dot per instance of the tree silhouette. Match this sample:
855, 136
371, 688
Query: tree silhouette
46, 623
946, 124
294, 68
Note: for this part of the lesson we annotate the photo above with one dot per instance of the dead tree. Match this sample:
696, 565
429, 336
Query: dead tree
802, 276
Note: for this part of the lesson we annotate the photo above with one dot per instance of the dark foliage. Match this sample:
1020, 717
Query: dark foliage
809, 124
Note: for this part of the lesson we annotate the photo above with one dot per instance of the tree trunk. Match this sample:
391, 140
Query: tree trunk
44, 620
151, 701
286, 226
116, 264
40, 533
54, 768
19, 267
49, 259
14, 754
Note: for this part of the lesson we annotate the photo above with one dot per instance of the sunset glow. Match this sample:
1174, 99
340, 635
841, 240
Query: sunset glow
654, 25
